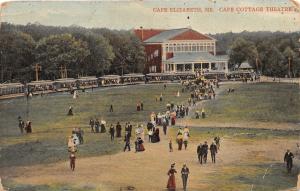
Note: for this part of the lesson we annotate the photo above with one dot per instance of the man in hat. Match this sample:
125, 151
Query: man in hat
127, 141
200, 153
213, 150
118, 129
184, 175
288, 158
112, 132
92, 124
205, 151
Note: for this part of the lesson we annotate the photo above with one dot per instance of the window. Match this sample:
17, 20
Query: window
194, 47
178, 47
201, 48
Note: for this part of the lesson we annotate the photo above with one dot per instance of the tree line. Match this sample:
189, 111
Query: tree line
98, 51
81, 51
272, 54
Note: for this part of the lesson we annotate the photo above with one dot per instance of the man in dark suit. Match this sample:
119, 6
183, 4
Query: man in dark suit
184, 175
205, 151
200, 153
213, 151
288, 158
127, 141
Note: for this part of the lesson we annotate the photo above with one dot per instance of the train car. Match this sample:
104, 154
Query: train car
133, 78
240, 75
12, 89
109, 80
158, 77
221, 76
184, 76
87, 82
38, 87
170, 77
65, 84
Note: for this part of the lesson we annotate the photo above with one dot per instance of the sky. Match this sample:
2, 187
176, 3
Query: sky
134, 14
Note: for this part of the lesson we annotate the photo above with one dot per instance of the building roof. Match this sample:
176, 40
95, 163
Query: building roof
245, 65
144, 34
191, 35
177, 34
189, 57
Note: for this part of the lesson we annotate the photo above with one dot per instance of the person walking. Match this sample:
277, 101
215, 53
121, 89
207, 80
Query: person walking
21, 125
165, 126
186, 135
28, 127
72, 161
288, 158
203, 113
171, 185
200, 153
205, 151
92, 124
213, 151
170, 146
111, 109
118, 129
127, 142
184, 175
217, 141
112, 132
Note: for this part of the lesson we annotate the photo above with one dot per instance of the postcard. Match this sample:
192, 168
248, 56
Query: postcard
150, 95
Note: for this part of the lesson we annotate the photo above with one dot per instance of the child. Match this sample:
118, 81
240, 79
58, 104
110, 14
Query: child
170, 146
72, 161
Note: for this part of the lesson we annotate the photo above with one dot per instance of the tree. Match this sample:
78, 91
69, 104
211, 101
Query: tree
128, 50
61, 51
290, 56
242, 50
275, 65
16, 51
101, 54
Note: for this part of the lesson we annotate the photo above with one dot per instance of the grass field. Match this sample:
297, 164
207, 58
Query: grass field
269, 103
244, 157
51, 126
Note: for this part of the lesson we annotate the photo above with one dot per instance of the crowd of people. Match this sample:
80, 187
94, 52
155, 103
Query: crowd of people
199, 90
202, 151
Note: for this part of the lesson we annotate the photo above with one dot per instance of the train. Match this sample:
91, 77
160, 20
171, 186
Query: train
70, 84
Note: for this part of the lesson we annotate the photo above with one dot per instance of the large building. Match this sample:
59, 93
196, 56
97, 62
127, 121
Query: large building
180, 50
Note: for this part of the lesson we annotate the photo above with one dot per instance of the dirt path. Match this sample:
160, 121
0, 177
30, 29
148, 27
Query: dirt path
141, 170
144, 171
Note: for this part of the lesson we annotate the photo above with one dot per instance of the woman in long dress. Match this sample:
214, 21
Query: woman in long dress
102, 126
186, 135
171, 185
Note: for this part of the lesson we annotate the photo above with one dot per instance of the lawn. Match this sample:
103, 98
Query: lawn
255, 149
51, 125
259, 103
